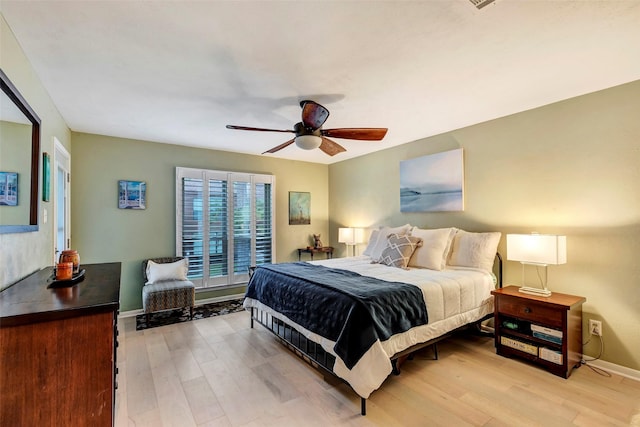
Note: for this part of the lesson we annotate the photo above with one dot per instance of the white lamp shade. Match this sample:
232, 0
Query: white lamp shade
308, 142
546, 249
350, 235
345, 235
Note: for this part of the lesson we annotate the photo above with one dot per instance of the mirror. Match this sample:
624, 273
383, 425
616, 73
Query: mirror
19, 161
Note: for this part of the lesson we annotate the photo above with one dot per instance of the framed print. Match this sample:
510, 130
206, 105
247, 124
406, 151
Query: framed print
432, 183
46, 177
132, 195
299, 208
9, 188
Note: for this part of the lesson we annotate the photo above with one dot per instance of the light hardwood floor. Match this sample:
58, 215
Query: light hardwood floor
219, 372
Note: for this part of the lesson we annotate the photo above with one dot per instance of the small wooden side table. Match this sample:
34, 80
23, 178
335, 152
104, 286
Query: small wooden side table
310, 250
544, 330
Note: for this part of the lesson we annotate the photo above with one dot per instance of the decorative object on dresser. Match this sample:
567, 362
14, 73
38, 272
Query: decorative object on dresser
64, 271
72, 256
166, 286
544, 330
351, 237
539, 250
58, 349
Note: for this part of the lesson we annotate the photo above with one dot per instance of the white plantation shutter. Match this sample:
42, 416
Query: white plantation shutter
218, 226
242, 227
264, 243
236, 212
192, 235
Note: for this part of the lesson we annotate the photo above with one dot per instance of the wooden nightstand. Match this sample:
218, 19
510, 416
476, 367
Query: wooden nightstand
544, 330
325, 249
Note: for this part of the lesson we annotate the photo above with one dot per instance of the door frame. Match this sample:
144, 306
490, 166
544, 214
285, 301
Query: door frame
63, 157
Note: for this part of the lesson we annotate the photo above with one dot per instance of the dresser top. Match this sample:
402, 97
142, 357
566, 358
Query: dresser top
33, 299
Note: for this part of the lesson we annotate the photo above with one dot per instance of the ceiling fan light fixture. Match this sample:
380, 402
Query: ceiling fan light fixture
308, 142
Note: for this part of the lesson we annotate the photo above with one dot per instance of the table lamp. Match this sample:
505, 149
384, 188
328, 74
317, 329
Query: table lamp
540, 250
351, 237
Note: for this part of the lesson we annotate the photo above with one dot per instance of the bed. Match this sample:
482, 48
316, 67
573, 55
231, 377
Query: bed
356, 317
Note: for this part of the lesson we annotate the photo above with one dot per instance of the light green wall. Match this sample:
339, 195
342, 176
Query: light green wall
101, 232
570, 168
23, 253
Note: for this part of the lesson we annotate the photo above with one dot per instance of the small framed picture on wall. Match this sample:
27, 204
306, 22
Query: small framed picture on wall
299, 208
9, 188
132, 194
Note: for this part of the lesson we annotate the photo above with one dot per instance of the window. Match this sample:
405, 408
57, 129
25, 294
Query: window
224, 224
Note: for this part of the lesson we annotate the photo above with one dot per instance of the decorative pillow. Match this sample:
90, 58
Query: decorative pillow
399, 250
381, 242
476, 250
373, 239
158, 272
434, 250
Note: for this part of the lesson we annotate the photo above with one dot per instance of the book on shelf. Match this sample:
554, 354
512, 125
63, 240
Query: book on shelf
546, 331
519, 345
547, 334
551, 355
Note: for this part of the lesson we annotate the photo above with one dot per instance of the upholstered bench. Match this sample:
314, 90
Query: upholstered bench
166, 285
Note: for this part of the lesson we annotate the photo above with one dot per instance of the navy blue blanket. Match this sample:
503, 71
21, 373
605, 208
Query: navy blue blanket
340, 305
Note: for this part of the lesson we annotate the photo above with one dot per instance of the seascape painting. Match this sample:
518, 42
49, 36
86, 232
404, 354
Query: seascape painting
433, 183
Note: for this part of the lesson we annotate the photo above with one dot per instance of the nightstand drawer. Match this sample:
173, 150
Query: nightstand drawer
530, 310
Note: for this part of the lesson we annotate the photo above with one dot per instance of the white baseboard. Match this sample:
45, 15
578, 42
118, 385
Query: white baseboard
616, 369
133, 313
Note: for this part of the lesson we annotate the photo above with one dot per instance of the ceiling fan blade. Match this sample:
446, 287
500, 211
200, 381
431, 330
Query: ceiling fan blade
313, 114
330, 147
366, 134
258, 129
280, 147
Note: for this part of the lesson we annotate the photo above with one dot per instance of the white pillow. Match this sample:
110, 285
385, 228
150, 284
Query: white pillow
434, 250
373, 239
475, 250
381, 242
157, 272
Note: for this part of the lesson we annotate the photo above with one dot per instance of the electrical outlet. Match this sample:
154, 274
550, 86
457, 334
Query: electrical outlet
595, 327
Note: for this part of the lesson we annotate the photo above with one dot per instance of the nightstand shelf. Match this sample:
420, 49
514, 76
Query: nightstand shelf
546, 331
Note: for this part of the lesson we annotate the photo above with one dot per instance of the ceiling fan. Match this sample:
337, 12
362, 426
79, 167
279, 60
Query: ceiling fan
310, 135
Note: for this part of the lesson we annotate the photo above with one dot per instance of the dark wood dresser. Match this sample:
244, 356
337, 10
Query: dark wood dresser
58, 349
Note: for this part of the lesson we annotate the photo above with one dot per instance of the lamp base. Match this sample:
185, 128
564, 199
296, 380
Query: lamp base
535, 291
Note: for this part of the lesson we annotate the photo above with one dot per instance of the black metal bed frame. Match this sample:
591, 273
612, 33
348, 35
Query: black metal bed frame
313, 353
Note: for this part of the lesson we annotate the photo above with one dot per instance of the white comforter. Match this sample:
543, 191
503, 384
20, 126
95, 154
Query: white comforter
454, 297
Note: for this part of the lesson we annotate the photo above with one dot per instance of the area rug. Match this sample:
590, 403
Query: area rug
169, 317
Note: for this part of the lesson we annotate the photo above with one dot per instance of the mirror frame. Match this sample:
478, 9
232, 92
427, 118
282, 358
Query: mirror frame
12, 92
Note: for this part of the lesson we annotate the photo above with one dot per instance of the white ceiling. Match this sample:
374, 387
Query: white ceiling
179, 71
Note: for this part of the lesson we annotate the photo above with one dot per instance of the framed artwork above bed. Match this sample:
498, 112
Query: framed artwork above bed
433, 183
